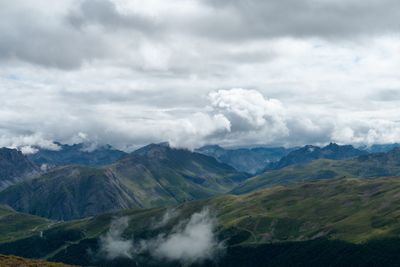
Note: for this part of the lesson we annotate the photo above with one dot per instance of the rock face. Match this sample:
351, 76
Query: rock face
155, 175
77, 154
250, 160
15, 167
309, 153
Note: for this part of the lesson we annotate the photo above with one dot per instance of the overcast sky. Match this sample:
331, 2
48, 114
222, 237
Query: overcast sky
194, 72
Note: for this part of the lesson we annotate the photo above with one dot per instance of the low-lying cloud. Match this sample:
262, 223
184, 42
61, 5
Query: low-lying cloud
190, 241
112, 244
167, 217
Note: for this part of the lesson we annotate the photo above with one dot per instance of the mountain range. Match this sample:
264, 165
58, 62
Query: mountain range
164, 206
309, 153
83, 154
151, 176
364, 166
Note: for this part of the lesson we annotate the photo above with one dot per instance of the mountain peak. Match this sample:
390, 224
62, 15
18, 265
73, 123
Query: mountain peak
14, 167
10, 154
332, 146
153, 150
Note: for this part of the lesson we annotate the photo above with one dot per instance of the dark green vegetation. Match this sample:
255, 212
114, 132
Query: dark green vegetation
15, 167
323, 223
365, 166
250, 160
77, 154
156, 175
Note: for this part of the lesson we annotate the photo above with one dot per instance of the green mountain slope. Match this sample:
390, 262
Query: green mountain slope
351, 216
365, 166
14, 225
69, 193
159, 174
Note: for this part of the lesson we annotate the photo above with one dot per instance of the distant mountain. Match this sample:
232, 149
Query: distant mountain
250, 160
309, 153
380, 148
340, 222
77, 154
15, 167
364, 166
156, 175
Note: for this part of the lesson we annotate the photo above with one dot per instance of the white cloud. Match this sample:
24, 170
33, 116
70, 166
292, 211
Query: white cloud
247, 107
112, 244
190, 241
195, 242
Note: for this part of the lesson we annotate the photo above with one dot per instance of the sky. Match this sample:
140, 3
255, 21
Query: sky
196, 72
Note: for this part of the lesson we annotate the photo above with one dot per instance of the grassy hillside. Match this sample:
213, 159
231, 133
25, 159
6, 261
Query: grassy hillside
13, 261
366, 166
14, 225
350, 215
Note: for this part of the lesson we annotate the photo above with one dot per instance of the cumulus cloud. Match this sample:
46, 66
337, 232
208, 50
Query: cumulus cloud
248, 109
190, 241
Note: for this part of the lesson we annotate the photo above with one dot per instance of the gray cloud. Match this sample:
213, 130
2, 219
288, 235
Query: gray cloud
310, 18
105, 13
38, 38
387, 95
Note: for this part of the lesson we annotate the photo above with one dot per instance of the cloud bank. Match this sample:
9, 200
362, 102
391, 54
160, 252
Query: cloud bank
190, 241
129, 73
